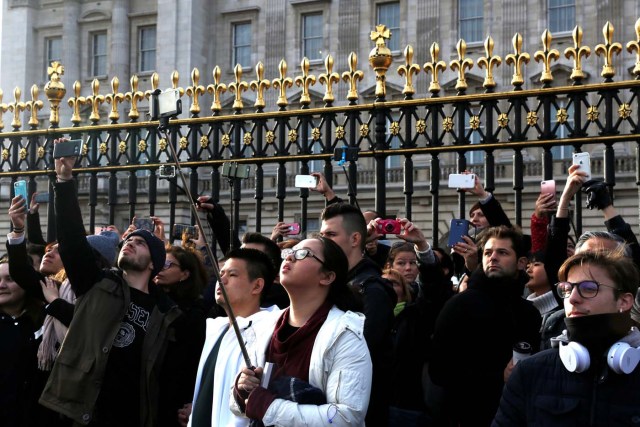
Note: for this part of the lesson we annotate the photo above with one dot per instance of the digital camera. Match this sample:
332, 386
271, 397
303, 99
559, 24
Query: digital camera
389, 226
165, 104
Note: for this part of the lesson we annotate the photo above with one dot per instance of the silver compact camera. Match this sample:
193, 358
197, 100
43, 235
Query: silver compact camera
165, 104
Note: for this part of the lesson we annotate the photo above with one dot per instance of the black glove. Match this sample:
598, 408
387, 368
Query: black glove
597, 192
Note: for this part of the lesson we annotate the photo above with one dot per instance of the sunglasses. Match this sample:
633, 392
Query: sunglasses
300, 254
586, 288
169, 264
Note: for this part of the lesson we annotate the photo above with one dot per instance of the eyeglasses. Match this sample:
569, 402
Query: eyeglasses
586, 288
300, 254
169, 264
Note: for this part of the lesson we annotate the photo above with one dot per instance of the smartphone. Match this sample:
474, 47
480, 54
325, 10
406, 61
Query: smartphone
42, 198
548, 187
346, 154
236, 170
462, 180
306, 181
584, 161
20, 189
144, 224
457, 229
70, 148
179, 229
294, 228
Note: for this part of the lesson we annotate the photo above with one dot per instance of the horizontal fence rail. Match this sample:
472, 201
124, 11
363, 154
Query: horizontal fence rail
122, 159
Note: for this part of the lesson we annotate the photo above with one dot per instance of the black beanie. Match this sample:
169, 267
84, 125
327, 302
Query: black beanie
156, 249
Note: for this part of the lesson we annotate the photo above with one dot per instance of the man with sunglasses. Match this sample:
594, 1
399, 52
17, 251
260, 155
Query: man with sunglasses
591, 377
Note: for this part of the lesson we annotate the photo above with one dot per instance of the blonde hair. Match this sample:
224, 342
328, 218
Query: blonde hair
395, 275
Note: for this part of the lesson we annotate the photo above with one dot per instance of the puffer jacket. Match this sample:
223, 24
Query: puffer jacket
541, 392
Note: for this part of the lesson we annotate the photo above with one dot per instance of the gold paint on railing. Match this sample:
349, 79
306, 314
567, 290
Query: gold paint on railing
282, 83
216, 89
353, 76
461, 64
408, 70
134, 96
433, 67
114, 98
546, 55
194, 91
17, 107
380, 58
155, 83
237, 87
259, 86
3, 109
55, 91
517, 59
76, 102
577, 52
34, 106
489, 61
95, 100
305, 81
635, 45
607, 50
328, 79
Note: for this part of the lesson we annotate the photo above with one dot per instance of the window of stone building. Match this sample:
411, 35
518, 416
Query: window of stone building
147, 48
312, 36
395, 161
389, 15
99, 54
471, 20
53, 51
562, 15
241, 44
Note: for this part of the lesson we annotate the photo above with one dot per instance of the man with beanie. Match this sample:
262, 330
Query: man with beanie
108, 369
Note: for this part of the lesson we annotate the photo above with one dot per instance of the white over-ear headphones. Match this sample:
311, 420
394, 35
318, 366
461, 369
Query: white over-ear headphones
621, 357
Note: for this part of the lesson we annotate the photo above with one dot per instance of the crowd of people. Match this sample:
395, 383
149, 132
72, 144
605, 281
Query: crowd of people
342, 328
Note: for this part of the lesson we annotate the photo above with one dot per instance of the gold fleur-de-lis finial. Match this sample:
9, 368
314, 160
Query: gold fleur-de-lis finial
488, 62
259, 86
237, 87
282, 83
546, 55
17, 107
305, 80
408, 70
3, 109
436, 65
577, 52
608, 49
133, 97
635, 45
34, 106
76, 102
353, 76
328, 78
175, 78
517, 59
461, 64
194, 91
55, 91
217, 89
155, 83
114, 98
95, 100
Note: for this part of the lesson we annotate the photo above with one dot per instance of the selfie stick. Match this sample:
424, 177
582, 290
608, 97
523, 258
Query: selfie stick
341, 162
163, 124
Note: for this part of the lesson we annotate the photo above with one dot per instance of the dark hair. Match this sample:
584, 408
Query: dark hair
352, 219
620, 268
35, 249
504, 232
335, 260
397, 248
270, 247
445, 261
259, 266
191, 288
31, 305
475, 207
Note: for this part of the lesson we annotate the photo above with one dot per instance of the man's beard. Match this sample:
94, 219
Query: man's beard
125, 263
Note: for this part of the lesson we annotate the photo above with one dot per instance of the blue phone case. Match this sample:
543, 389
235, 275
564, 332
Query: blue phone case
457, 229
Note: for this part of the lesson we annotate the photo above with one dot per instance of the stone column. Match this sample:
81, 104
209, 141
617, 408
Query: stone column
119, 52
71, 55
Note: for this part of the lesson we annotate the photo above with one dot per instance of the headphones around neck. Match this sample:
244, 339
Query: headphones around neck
621, 357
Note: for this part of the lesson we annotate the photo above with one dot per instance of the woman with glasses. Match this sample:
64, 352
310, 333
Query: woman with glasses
321, 365
591, 377
182, 277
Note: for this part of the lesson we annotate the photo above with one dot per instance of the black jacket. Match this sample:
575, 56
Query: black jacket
541, 392
473, 342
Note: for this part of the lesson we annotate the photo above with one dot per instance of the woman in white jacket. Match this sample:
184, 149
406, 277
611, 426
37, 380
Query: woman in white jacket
316, 342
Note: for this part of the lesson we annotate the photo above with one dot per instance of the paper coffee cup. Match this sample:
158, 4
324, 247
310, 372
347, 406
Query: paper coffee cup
521, 351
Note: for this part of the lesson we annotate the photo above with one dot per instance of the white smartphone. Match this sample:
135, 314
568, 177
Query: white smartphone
462, 180
306, 181
584, 161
